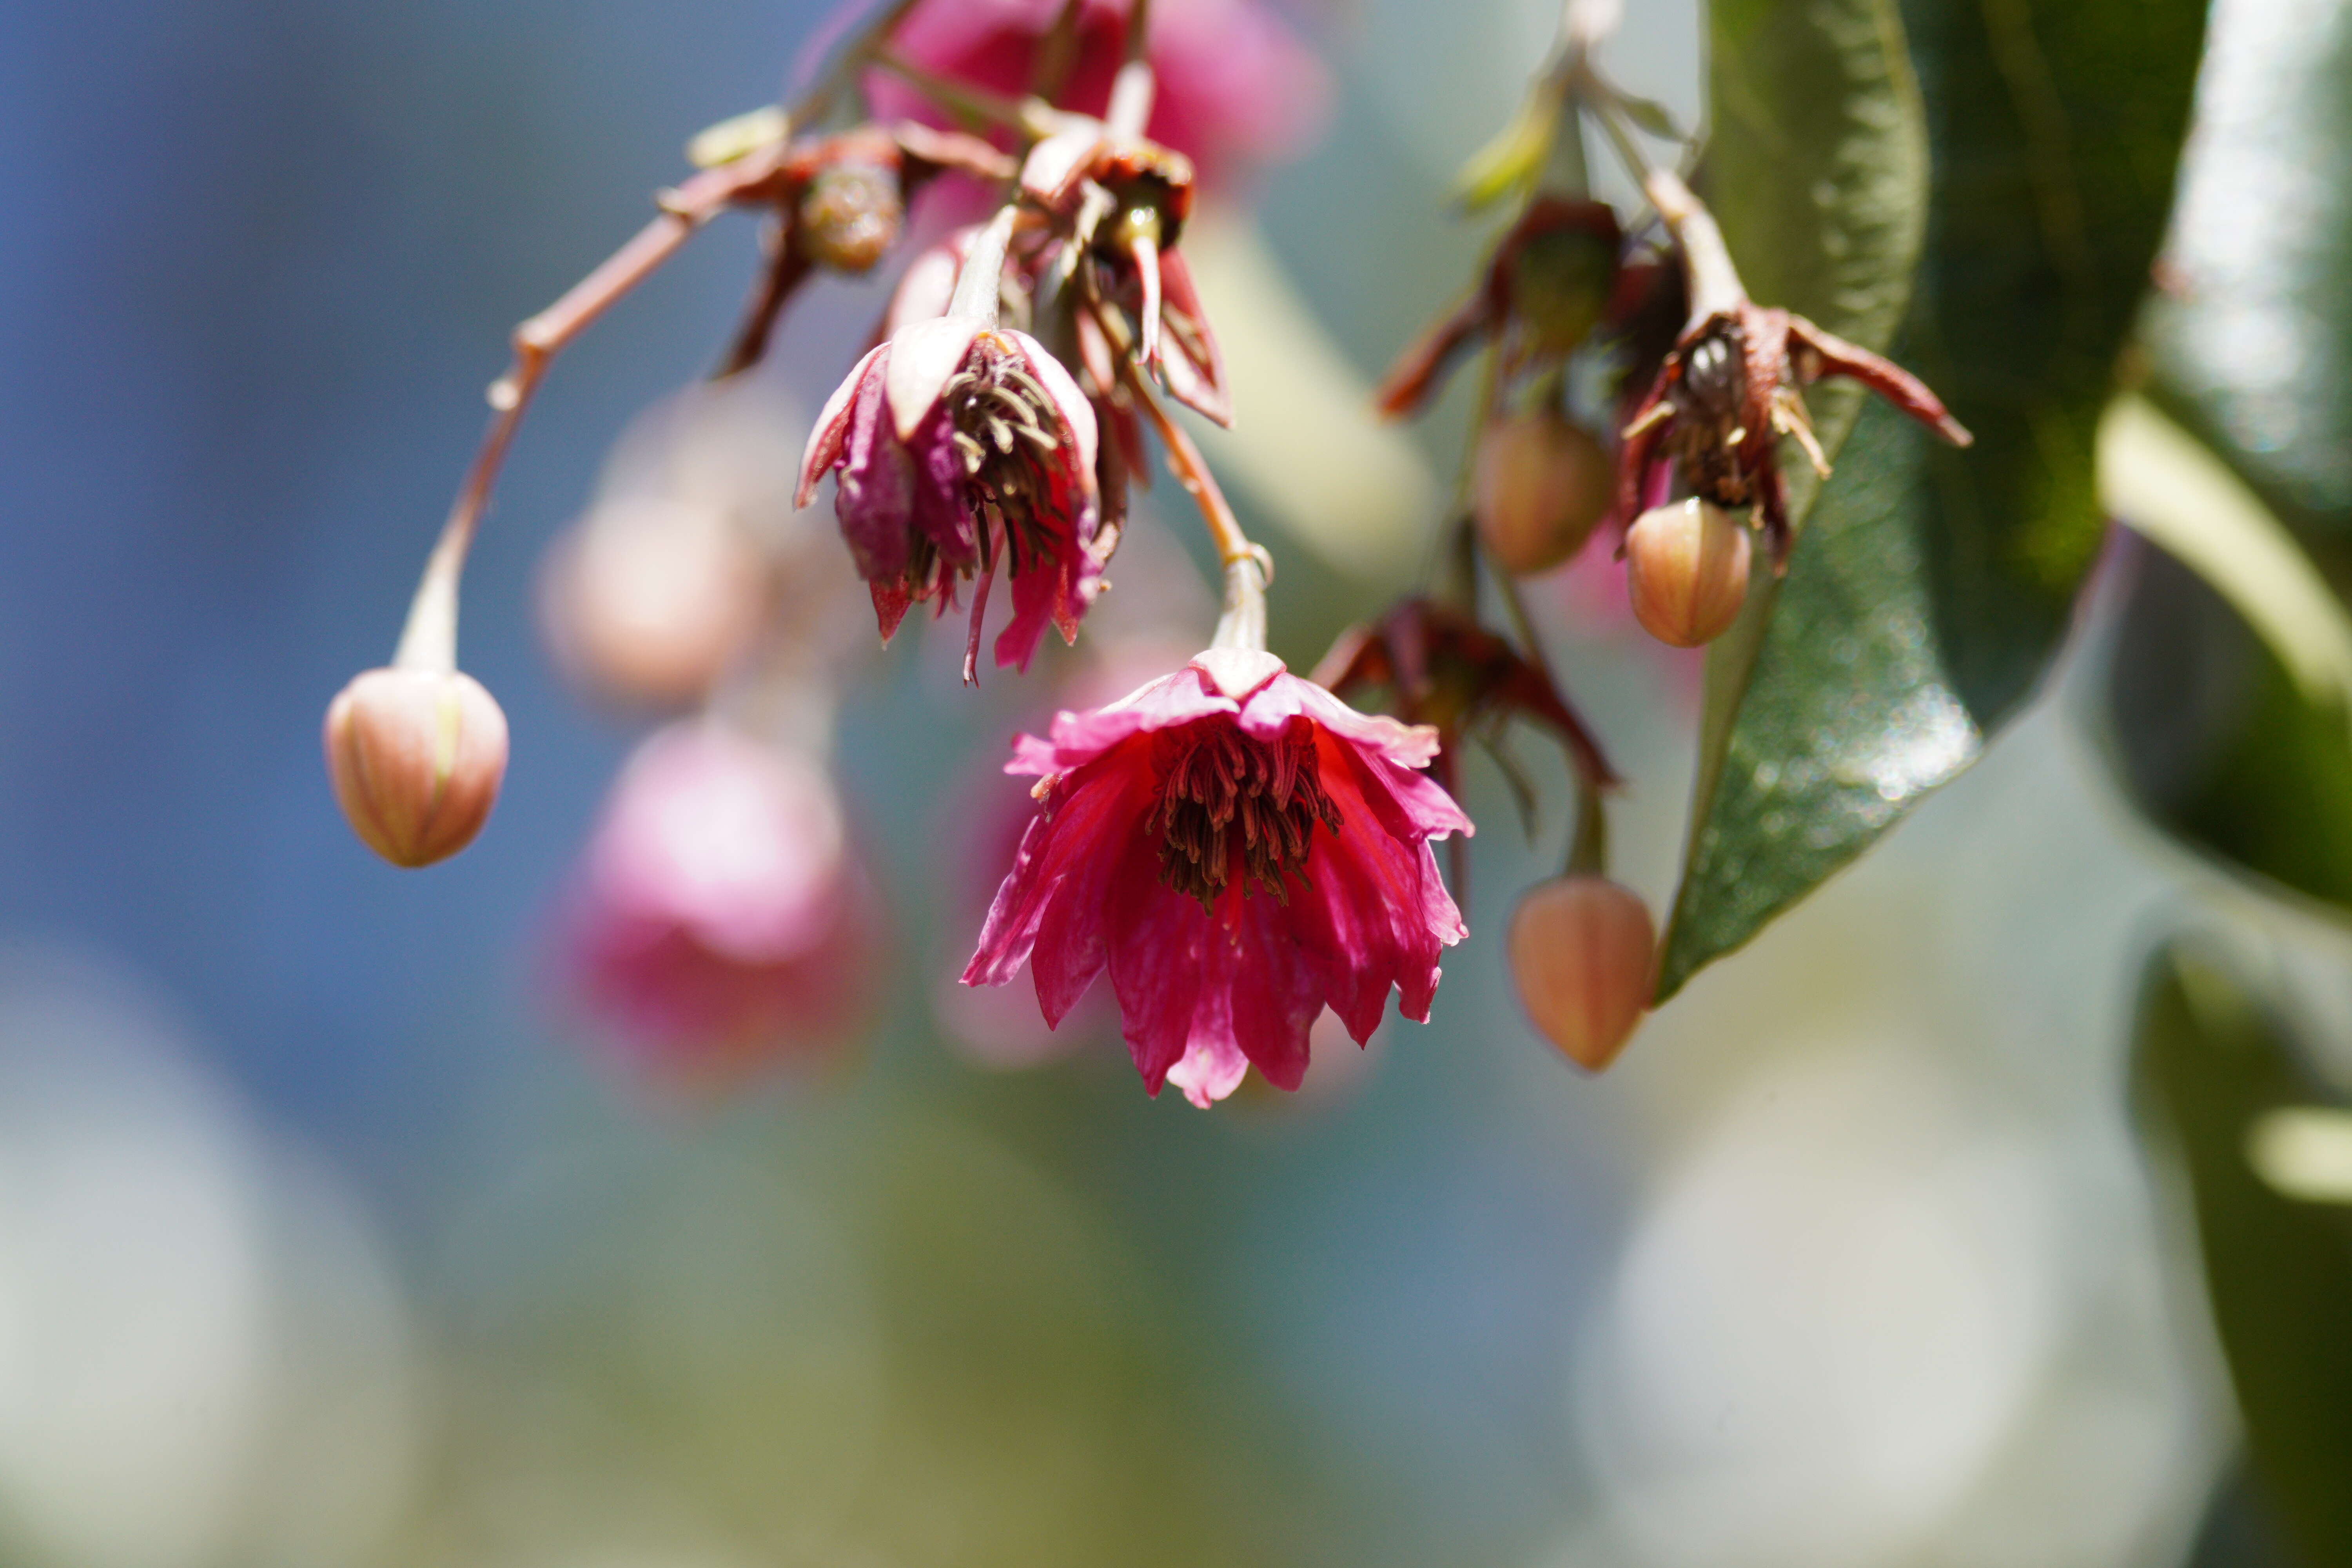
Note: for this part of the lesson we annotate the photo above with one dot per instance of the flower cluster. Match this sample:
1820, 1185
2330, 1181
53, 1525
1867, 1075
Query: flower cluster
1240, 850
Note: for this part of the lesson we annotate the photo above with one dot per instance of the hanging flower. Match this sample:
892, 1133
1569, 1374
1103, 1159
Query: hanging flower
721, 921
962, 445
1239, 847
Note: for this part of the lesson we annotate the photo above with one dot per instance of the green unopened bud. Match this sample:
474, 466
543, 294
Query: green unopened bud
1686, 568
416, 756
1580, 950
1542, 483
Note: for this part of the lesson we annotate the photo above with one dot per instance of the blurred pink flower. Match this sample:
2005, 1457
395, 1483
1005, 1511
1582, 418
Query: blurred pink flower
1237, 85
1178, 843
719, 921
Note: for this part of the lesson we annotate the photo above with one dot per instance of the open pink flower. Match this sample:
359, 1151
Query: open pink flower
962, 446
1239, 847
1235, 85
721, 921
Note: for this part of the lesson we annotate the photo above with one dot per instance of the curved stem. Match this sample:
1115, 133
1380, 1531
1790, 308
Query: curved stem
429, 640
1247, 567
1192, 472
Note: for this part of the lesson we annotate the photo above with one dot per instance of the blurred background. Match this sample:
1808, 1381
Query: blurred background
333, 1231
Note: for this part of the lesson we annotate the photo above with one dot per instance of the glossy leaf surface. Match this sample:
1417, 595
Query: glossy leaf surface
2251, 346
1930, 587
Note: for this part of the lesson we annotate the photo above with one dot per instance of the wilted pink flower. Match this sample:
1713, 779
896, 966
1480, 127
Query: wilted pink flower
961, 446
1240, 847
1235, 85
720, 920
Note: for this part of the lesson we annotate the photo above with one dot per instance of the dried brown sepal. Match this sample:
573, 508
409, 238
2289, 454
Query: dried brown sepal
1731, 388
1443, 668
1550, 279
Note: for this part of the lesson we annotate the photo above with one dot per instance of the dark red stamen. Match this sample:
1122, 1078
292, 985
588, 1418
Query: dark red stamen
1229, 802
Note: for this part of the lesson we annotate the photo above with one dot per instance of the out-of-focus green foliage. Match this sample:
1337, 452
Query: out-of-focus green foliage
890, 1340
1930, 586
2253, 352
2279, 1271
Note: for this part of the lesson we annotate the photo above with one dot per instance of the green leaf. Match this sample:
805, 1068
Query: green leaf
2217, 745
1515, 156
1930, 587
2157, 478
2218, 1079
2252, 349
2252, 340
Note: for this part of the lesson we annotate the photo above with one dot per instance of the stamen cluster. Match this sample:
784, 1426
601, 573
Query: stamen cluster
1003, 423
1234, 811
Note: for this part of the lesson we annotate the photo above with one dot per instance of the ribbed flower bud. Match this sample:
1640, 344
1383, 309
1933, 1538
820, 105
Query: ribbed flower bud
416, 756
1542, 483
649, 601
1686, 567
1580, 950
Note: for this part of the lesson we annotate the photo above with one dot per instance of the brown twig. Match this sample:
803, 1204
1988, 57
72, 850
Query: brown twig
786, 268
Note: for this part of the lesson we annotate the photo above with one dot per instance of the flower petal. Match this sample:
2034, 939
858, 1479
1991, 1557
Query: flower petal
1179, 699
1058, 886
1156, 941
876, 495
922, 358
833, 428
1077, 412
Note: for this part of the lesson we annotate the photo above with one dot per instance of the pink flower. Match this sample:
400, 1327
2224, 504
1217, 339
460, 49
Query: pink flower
1235, 85
962, 445
1239, 847
721, 921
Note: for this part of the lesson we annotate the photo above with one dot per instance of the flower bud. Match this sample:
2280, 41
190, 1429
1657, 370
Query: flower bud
416, 756
850, 217
1686, 568
1580, 950
1560, 282
649, 601
1542, 483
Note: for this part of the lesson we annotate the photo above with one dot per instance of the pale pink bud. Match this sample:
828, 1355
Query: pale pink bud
1580, 950
649, 601
1543, 482
416, 756
1686, 568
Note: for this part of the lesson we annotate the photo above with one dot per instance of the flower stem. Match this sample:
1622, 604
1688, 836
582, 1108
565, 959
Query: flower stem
1588, 847
979, 284
429, 640
1247, 567
1025, 115
1715, 285
855, 57
1132, 89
